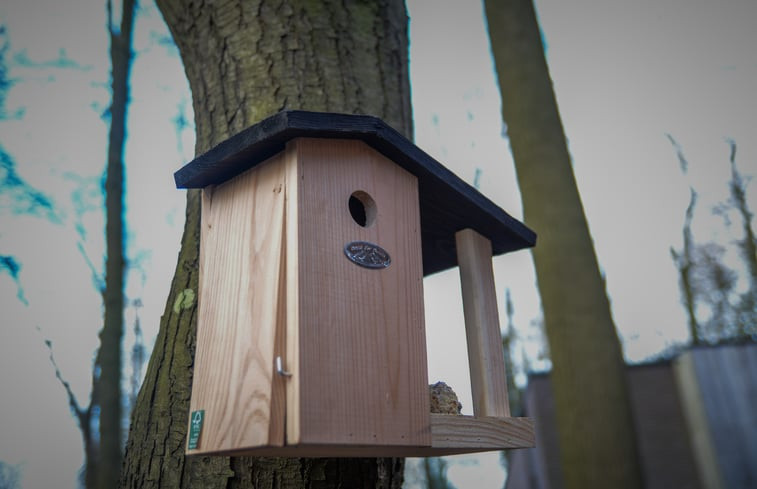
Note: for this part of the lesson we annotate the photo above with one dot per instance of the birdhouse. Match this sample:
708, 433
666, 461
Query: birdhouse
317, 231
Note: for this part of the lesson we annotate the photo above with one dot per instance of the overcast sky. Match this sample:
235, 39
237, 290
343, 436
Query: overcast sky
625, 74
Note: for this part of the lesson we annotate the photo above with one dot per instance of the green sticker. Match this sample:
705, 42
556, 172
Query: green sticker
195, 427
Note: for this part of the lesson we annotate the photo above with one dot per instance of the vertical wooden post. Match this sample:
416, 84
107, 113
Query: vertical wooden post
485, 356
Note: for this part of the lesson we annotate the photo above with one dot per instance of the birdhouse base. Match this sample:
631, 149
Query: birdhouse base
450, 435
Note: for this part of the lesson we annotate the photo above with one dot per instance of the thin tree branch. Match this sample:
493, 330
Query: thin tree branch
81, 414
97, 279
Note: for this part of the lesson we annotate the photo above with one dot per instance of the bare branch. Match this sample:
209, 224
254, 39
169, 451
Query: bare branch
82, 415
682, 161
109, 7
97, 279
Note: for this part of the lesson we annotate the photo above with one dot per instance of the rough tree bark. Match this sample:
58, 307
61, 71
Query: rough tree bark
246, 60
596, 435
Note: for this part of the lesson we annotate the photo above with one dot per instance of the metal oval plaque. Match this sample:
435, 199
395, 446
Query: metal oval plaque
367, 254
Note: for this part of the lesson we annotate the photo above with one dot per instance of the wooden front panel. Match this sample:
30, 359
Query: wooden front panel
240, 304
360, 376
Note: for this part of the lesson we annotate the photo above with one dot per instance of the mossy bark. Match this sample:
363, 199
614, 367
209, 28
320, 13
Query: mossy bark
246, 60
596, 435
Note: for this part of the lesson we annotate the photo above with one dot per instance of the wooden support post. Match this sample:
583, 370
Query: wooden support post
485, 356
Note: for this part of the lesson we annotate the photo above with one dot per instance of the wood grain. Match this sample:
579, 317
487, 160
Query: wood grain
485, 356
293, 294
449, 431
451, 435
274, 281
240, 291
362, 371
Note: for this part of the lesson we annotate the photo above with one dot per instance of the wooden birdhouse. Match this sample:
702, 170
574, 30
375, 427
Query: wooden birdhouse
317, 231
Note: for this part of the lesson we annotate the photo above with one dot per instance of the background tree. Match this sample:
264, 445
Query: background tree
715, 308
746, 317
246, 60
10, 476
509, 345
16, 195
109, 360
435, 472
595, 427
100, 422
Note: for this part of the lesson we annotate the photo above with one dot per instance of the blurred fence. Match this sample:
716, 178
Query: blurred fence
695, 419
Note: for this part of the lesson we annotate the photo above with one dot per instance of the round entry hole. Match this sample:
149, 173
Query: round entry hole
362, 208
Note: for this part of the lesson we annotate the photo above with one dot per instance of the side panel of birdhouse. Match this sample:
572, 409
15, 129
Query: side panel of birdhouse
236, 398
360, 375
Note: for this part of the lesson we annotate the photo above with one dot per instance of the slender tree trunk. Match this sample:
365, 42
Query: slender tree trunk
246, 60
747, 309
738, 187
685, 264
91, 448
435, 470
684, 259
109, 394
596, 436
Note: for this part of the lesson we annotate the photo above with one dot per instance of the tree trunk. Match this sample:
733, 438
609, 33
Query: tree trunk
107, 389
747, 308
596, 436
246, 60
685, 263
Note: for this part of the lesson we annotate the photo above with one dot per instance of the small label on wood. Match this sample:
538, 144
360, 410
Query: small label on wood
367, 254
195, 428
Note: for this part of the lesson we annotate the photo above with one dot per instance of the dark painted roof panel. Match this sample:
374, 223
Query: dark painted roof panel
447, 203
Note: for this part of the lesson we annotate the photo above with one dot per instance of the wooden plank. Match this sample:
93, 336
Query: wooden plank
241, 241
280, 384
447, 203
292, 295
362, 371
727, 388
449, 431
734, 419
485, 356
696, 421
451, 435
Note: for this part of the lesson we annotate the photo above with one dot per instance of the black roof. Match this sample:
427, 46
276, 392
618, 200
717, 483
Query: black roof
447, 203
